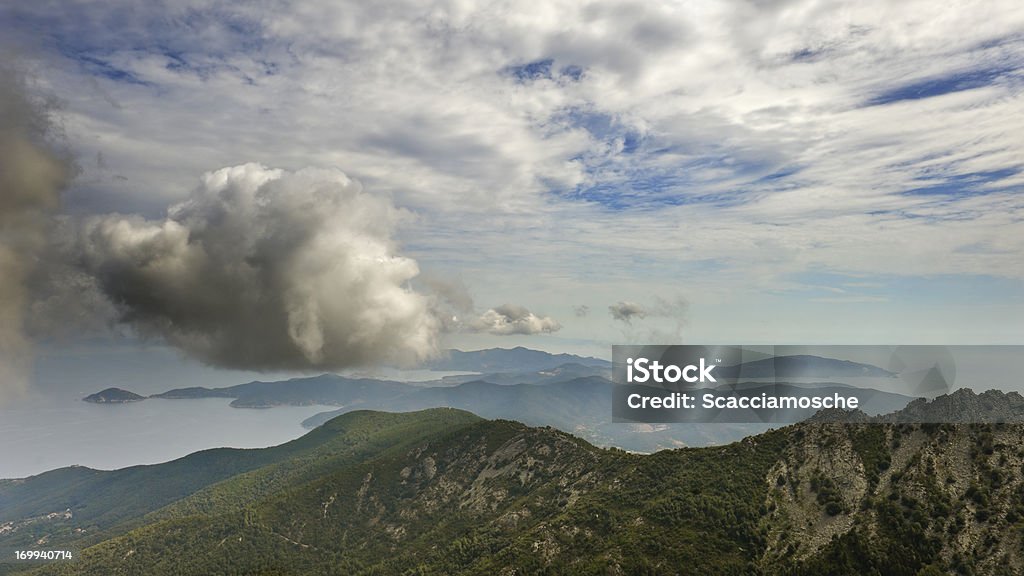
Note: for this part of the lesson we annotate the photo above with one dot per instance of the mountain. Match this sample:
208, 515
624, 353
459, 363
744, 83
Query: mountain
582, 406
193, 392
331, 389
573, 397
113, 396
579, 405
326, 389
560, 404
560, 373
517, 359
96, 501
871, 401
801, 366
445, 493
962, 406
445, 500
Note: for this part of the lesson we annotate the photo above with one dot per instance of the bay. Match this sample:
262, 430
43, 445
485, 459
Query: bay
43, 435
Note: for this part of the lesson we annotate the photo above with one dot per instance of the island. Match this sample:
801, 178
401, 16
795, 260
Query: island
113, 396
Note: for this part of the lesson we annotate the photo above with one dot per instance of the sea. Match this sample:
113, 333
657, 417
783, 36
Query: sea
43, 435
59, 429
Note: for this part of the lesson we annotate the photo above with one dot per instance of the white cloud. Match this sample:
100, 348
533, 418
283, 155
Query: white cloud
511, 319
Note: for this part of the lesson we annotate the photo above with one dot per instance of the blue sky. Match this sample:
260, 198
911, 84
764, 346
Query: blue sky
794, 171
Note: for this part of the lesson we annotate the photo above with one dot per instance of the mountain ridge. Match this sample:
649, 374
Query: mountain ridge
801, 365
488, 496
508, 360
963, 406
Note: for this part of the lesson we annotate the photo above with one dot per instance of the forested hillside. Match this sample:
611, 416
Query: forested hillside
465, 496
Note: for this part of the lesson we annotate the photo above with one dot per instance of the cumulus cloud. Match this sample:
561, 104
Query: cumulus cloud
266, 269
32, 175
453, 305
581, 310
511, 319
624, 311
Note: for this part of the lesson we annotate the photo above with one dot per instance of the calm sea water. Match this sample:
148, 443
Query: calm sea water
40, 436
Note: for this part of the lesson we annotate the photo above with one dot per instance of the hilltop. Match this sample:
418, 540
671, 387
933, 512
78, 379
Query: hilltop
113, 396
441, 491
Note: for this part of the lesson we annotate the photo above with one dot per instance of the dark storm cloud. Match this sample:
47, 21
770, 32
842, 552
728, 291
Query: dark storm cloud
32, 175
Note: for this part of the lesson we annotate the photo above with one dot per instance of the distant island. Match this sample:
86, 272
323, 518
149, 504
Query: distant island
574, 396
516, 359
113, 396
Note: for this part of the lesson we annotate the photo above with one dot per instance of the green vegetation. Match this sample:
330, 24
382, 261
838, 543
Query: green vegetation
459, 496
828, 495
105, 502
443, 492
870, 444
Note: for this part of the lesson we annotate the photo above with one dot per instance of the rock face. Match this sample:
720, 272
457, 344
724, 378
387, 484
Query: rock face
113, 396
963, 406
897, 499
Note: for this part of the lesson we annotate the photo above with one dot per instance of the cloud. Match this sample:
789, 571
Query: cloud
813, 135
624, 311
266, 269
449, 300
453, 305
675, 311
510, 319
32, 175
665, 318
452, 293
581, 311
675, 308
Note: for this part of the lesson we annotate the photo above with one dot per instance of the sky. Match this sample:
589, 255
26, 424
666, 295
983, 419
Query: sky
290, 187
